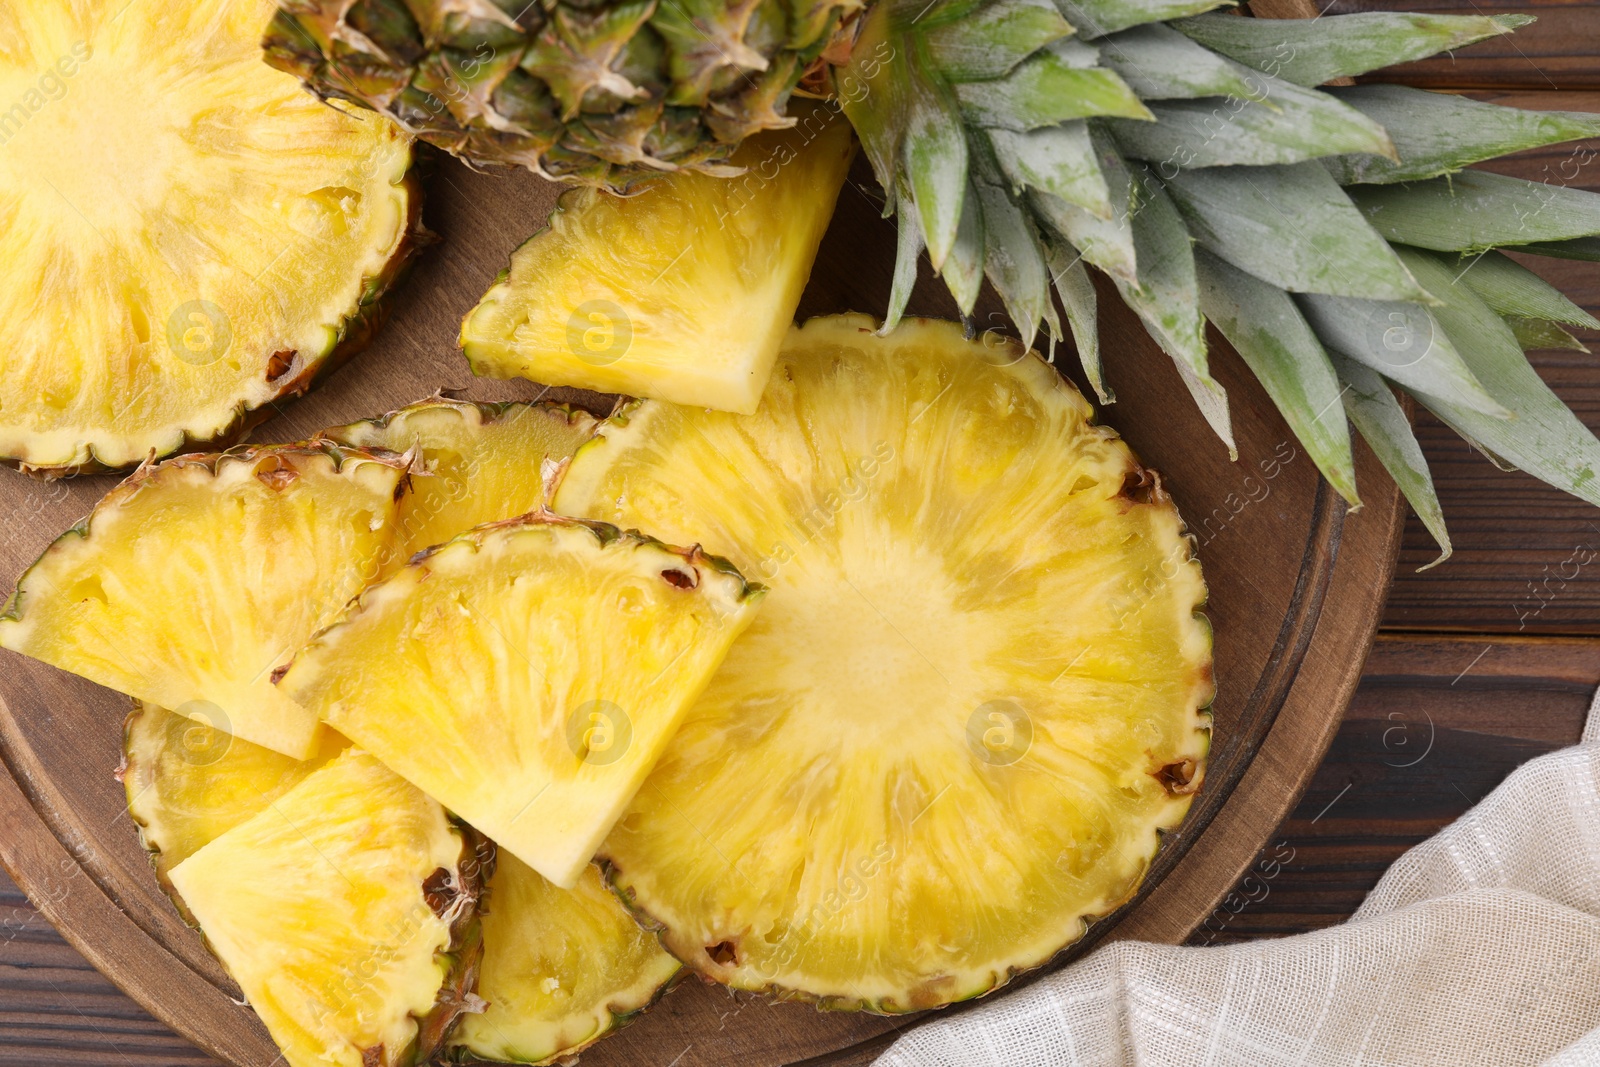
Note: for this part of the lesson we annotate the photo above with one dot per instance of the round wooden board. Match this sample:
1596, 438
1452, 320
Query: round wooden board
1296, 586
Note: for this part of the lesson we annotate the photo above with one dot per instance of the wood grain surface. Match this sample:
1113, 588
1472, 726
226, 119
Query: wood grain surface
1472, 674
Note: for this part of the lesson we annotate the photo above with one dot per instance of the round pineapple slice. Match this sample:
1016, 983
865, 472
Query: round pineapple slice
480, 462
972, 701
186, 235
560, 970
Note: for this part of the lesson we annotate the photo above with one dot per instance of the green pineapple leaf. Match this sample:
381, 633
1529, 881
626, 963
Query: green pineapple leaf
935, 160
1313, 52
1159, 63
1403, 342
1264, 326
1013, 260
1060, 82
1475, 209
1512, 289
1282, 124
1545, 438
1294, 227
994, 39
908, 249
1533, 334
1105, 241
1096, 18
1381, 421
1059, 160
963, 267
1439, 133
1072, 281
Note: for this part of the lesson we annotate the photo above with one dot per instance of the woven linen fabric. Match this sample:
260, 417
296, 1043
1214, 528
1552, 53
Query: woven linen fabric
1480, 947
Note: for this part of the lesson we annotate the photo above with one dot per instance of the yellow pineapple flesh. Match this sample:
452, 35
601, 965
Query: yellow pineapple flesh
185, 234
195, 580
973, 701
682, 291
333, 910
528, 674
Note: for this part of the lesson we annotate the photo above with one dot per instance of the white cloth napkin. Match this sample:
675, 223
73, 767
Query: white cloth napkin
1481, 946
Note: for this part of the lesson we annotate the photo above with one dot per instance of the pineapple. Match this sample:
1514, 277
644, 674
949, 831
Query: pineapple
528, 674
189, 782
722, 261
192, 583
480, 462
186, 237
335, 908
1023, 142
973, 702
560, 969
555, 970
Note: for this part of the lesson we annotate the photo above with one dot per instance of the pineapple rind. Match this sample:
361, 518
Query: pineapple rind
475, 671
165, 185
561, 969
165, 595
317, 907
480, 462
606, 297
939, 533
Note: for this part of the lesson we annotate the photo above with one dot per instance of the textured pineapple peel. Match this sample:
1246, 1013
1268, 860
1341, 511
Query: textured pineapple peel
186, 235
528, 674
973, 699
333, 909
682, 291
195, 580
561, 968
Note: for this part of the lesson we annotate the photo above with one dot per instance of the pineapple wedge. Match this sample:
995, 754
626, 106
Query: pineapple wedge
195, 580
188, 783
186, 236
334, 909
683, 291
528, 674
560, 970
557, 970
480, 462
973, 701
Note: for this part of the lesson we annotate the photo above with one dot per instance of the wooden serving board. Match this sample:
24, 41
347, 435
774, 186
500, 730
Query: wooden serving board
1297, 583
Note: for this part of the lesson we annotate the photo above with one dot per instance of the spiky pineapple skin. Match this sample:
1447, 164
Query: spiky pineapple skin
600, 93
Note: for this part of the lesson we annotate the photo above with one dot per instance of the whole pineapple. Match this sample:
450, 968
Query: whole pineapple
1185, 153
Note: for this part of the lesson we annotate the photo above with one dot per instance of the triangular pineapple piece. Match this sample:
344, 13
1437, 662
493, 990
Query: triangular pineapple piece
333, 909
972, 702
528, 674
480, 462
185, 235
188, 783
193, 581
682, 291
560, 969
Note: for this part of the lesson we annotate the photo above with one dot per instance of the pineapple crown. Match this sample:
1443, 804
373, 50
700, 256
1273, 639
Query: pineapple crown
1192, 158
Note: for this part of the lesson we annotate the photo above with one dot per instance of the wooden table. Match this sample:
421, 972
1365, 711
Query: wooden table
1481, 665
